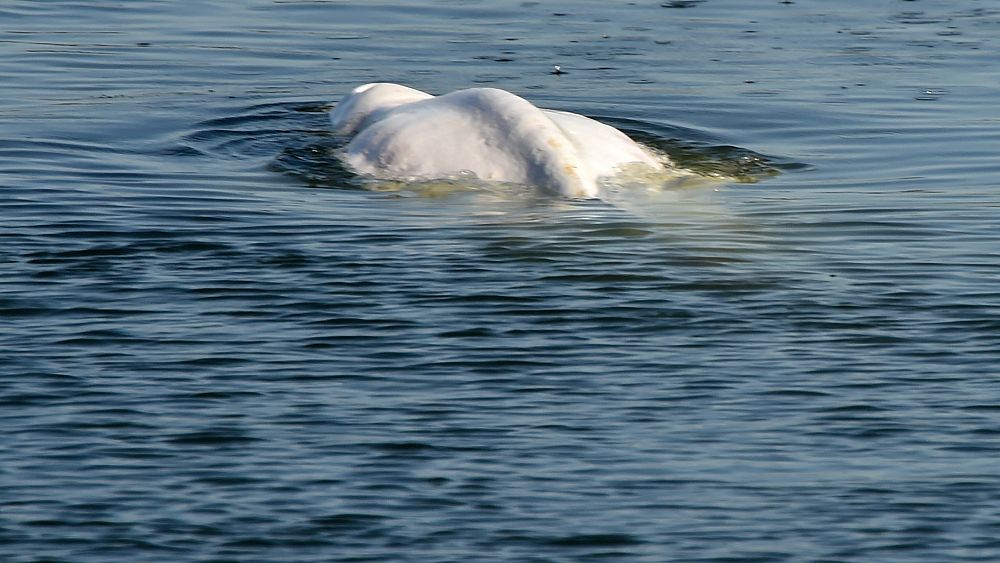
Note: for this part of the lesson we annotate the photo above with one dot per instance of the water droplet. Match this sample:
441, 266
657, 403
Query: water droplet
930, 94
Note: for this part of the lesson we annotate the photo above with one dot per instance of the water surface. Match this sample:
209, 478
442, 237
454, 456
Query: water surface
218, 345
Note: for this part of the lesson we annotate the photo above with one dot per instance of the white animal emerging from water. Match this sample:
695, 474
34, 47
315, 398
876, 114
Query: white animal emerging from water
404, 134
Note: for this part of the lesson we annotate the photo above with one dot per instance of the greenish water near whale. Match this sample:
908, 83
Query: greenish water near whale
218, 345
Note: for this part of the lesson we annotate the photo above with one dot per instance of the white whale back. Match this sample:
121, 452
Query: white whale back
402, 133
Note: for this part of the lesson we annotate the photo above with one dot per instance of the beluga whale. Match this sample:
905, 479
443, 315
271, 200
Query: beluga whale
400, 133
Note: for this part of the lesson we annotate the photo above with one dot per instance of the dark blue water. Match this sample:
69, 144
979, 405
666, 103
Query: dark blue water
218, 345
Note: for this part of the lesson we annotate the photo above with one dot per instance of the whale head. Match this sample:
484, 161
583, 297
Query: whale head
367, 102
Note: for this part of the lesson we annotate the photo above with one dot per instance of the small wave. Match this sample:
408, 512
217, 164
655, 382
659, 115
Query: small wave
260, 131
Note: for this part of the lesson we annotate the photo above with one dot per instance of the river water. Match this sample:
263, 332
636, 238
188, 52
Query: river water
216, 344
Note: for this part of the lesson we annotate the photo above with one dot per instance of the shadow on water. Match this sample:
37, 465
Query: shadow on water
703, 154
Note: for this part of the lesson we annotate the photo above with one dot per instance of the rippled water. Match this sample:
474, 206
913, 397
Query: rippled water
218, 345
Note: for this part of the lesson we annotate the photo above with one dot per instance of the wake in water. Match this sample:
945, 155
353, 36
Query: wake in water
294, 138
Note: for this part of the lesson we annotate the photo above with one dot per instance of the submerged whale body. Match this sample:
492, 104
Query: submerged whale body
403, 133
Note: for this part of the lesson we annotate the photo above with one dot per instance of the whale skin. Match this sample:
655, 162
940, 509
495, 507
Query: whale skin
399, 133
